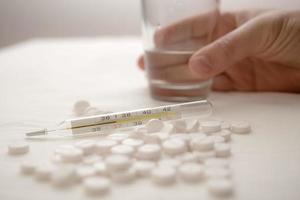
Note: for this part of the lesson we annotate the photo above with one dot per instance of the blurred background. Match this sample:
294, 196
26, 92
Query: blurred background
24, 19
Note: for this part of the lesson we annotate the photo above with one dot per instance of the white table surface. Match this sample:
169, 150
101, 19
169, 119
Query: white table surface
41, 79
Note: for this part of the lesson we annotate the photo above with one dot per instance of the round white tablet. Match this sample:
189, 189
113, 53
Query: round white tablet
217, 138
149, 152
199, 136
63, 176
199, 144
96, 185
180, 125
80, 107
117, 162
169, 162
241, 127
124, 176
216, 163
226, 134
203, 155
162, 136
91, 159
43, 172
151, 138
122, 149
143, 168
154, 125
187, 157
168, 128
72, 155
119, 137
87, 146
182, 136
18, 148
191, 172
163, 175
135, 143
225, 125
220, 187
222, 150
103, 146
27, 167
174, 146
193, 126
210, 126
214, 172
101, 169
83, 172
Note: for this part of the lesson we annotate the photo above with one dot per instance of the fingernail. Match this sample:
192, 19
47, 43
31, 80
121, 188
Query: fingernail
201, 66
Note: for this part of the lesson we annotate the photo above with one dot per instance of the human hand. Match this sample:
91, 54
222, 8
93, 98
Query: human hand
251, 50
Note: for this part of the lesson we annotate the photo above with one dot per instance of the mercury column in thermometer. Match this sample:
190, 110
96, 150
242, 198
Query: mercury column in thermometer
98, 123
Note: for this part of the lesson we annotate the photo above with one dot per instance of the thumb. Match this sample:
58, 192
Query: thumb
245, 41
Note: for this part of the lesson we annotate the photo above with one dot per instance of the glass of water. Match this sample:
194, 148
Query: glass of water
170, 39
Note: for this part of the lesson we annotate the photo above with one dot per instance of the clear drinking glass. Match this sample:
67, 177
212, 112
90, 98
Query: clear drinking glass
169, 41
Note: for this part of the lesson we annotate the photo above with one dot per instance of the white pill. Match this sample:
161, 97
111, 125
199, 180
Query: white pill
154, 125
135, 143
217, 138
222, 150
123, 150
214, 172
149, 152
162, 136
174, 146
204, 155
199, 144
43, 172
143, 168
84, 171
210, 126
169, 162
225, 125
27, 167
96, 185
216, 163
117, 162
87, 146
182, 136
168, 128
193, 126
104, 146
139, 132
187, 157
199, 136
151, 138
191, 172
18, 148
163, 175
101, 169
72, 155
241, 127
80, 106
91, 159
220, 187
63, 176
226, 134
119, 137
180, 125
124, 176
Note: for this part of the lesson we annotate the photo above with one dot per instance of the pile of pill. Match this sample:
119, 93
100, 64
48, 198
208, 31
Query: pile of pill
191, 151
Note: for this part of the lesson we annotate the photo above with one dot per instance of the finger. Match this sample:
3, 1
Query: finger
222, 83
196, 26
235, 46
141, 62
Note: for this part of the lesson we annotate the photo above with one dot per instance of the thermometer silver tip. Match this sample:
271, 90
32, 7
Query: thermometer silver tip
37, 133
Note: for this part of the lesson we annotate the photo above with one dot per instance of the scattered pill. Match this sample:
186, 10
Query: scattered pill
187, 157
103, 146
119, 137
43, 172
199, 136
204, 155
191, 172
149, 152
135, 143
96, 185
181, 136
27, 167
241, 127
71, 155
151, 138
222, 149
83, 172
63, 176
220, 187
18, 148
101, 169
174, 146
225, 125
210, 126
164, 175
117, 162
168, 128
80, 107
154, 125
199, 144
162, 136
143, 168
123, 150
91, 159
180, 125
124, 176
169, 162
226, 134
193, 126
217, 138
87, 146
